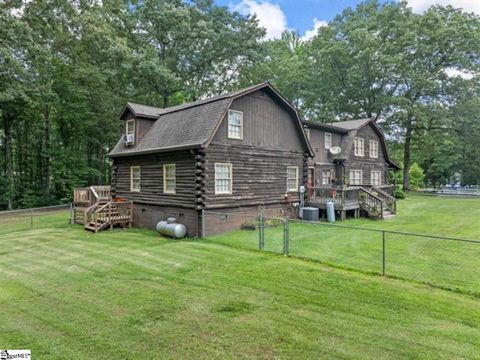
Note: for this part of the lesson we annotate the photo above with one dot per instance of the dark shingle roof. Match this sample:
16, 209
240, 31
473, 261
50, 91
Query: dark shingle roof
188, 125
351, 124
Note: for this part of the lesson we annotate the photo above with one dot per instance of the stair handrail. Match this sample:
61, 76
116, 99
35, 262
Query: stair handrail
376, 199
388, 198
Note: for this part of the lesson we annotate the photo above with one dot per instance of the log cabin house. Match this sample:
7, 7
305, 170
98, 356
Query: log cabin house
350, 168
232, 154
229, 153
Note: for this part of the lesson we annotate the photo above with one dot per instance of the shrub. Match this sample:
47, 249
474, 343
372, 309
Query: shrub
399, 193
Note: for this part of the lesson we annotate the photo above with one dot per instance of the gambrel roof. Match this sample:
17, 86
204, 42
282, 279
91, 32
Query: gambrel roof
348, 129
194, 124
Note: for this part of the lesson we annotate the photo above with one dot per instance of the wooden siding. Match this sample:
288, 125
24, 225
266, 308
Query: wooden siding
317, 140
151, 178
259, 175
366, 163
142, 125
266, 124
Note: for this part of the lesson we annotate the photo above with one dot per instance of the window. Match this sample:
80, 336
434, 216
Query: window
169, 181
376, 177
328, 140
373, 146
326, 177
358, 146
135, 178
292, 178
235, 124
307, 132
223, 178
355, 177
130, 131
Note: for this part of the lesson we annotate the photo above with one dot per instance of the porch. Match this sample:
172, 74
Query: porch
374, 202
94, 208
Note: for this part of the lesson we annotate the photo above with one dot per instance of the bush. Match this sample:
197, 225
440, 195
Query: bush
399, 193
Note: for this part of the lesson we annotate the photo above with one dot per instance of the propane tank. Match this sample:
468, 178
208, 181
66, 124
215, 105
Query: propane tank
171, 228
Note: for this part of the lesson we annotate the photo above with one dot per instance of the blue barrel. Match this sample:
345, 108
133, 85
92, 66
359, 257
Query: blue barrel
330, 211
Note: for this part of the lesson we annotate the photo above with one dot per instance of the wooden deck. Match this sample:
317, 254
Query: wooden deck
373, 201
96, 210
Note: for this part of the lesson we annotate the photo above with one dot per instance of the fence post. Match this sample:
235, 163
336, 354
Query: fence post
31, 219
285, 236
383, 254
260, 231
203, 224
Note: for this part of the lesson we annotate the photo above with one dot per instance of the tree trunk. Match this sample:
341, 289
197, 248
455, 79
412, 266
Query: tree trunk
46, 155
8, 161
407, 155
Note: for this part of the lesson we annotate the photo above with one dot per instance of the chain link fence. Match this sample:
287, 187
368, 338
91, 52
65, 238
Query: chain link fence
446, 262
33, 218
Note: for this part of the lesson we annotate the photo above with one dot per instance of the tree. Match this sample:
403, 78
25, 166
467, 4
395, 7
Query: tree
385, 62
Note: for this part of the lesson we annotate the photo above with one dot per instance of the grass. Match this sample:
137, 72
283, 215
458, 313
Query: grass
448, 264
69, 294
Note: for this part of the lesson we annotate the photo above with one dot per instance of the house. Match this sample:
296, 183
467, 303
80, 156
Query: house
230, 153
351, 159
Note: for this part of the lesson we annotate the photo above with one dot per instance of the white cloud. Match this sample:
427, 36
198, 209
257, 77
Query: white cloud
270, 16
466, 5
316, 25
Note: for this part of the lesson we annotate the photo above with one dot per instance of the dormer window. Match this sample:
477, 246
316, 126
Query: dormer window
130, 132
235, 124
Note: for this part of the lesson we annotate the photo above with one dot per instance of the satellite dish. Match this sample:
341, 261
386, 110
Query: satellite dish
335, 150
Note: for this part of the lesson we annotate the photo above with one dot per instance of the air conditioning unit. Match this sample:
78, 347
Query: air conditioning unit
129, 139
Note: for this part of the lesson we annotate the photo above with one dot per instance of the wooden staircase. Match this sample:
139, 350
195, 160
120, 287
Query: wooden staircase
377, 203
94, 208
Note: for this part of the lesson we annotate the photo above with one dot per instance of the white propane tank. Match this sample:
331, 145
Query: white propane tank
171, 228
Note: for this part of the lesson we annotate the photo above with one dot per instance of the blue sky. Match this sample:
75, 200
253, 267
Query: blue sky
306, 16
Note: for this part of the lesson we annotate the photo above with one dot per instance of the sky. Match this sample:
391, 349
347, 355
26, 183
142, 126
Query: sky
305, 16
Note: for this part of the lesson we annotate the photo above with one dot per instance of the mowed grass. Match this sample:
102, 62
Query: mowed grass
445, 263
69, 294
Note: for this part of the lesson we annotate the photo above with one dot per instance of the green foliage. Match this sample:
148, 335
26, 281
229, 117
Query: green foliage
399, 193
416, 176
71, 66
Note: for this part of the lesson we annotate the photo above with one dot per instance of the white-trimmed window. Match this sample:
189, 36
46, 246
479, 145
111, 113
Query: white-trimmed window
326, 177
169, 178
376, 177
358, 144
292, 178
235, 124
328, 140
223, 178
130, 131
373, 146
355, 177
135, 178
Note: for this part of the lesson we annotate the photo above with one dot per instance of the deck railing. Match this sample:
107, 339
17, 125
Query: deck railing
339, 196
91, 195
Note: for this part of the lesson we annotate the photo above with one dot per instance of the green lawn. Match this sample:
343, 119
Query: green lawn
69, 294
454, 265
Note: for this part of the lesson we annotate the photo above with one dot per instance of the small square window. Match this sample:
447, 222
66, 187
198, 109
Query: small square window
355, 177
